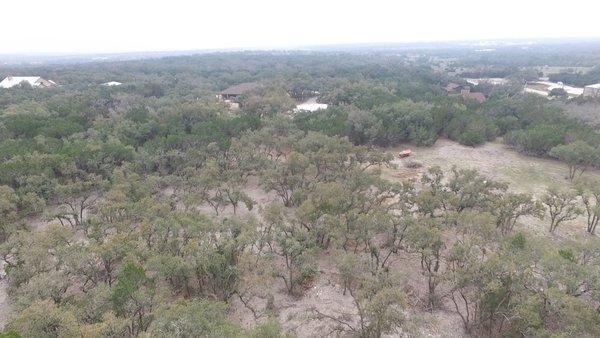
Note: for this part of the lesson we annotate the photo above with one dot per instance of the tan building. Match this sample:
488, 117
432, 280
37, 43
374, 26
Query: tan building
237, 90
466, 93
592, 90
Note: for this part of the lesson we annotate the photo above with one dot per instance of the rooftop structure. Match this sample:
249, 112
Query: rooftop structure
452, 87
238, 89
479, 97
310, 105
592, 90
111, 84
34, 81
495, 81
545, 87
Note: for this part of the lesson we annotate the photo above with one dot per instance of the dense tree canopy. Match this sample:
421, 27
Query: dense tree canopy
152, 209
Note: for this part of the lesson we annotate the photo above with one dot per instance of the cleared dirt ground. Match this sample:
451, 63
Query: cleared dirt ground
523, 173
493, 159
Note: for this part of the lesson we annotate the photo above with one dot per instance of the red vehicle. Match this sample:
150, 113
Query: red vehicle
404, 153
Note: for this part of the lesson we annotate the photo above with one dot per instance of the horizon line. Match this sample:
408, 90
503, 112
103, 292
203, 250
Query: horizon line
315, 46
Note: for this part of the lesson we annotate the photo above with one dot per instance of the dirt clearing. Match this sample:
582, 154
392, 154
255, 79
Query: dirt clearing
523, 173
493, 159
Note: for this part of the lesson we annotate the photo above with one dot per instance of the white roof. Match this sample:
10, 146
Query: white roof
474, 82
569, 89
12, 81
491, 80
597, 85
112, 83
310, 105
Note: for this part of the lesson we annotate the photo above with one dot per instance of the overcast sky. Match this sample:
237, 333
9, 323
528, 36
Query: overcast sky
65, 26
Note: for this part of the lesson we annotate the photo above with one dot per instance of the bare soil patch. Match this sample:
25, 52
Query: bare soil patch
523, 173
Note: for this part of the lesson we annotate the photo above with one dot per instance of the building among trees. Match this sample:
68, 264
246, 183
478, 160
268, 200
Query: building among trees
239, 89
34, 81
468, 94
111, 84
592, 90
464, 91
452, 88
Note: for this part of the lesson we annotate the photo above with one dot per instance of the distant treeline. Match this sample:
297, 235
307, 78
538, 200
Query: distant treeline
576, 78
169, 105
